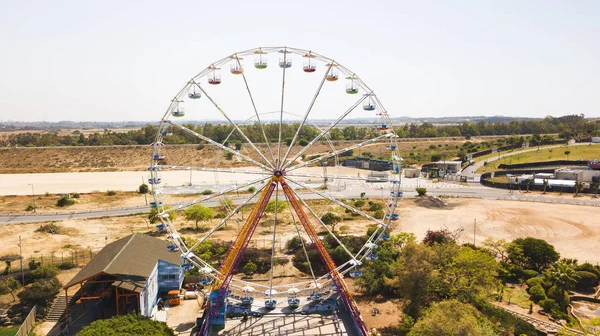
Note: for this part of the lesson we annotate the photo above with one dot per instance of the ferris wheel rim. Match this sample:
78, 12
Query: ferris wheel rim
265, 168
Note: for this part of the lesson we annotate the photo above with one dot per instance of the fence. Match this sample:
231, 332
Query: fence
77, 258
28, 323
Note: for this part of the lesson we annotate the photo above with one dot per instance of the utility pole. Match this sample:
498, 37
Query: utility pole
32, 196
474, 230
21, 260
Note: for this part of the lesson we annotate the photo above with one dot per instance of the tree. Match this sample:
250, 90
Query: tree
379, 214
452, 318
131, 324
44, 272
250, 268
562, 276
594, 187
294, 244
471, 272
421, 191
537, 254
529, 183
143, 188
154, 211
498, 248
331, 219
41, 291
578, 187
198, 213
545, 185
567, 152
9, 285
281, 205
375, 206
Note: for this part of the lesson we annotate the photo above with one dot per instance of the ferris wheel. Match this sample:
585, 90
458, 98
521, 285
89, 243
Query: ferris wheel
281, 115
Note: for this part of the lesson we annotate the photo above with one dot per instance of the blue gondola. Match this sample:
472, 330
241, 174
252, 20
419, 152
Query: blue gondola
206, 281
386, 237
293, 302
194, 95
247, 301
158, 157
161, 227
153, 168
154, 180
393, 147
368, 106
178, 113
355, 274
372, 256
315, 296
173, 248
270, 303
394, 216
153, 204
166, 134
382, 127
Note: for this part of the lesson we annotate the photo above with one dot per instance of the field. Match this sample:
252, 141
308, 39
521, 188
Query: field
8, 331
137, 158
548, 154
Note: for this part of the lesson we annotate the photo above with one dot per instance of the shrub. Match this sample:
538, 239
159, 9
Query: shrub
534, 282
537, 293
49, 228
65, 265
132, 324
586, 280
42, 291
252, 189
250, 268
528, 274
294, 244
359, 203
64, 201
549, 305
111, 193
143, 188
436, 157
44, 272
421, 191
200, 147
303, 142
237, 145
376, 206
29, 208
379, 214
588, 267
207, 192
228, 155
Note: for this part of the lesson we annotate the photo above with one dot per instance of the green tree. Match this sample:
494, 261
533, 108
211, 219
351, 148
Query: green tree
421, 191
470, 273
143, 188
198, 213
562, 276
250, 268
533, 253
41, 291
45, 271
131, 324
379, 214
9, 285
331, 219
567, 152
529, 183
545, 185
452, 318
294, 244
281, 205
578, 187
152, 215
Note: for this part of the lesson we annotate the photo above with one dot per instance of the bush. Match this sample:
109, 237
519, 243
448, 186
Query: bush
528, 274
75, 195
359, 203
44, 272
436, 157
537, 293
207, 192
29, 208
549, 306
586, 280
379, 214
421, 191
64, 201
65, 265
250, 268
252, 190
294, 244
228, 155
132, 324
111, 193
42, 292
143, 188
589, 268
49, 228
376, 206
303, 142
534, 282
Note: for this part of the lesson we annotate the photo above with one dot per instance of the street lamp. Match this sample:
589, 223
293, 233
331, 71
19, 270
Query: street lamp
32, 195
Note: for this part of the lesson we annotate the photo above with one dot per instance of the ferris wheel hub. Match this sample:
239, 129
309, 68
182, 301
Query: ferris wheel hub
278, 173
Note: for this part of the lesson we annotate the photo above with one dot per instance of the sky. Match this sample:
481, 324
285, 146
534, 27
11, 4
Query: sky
125, 60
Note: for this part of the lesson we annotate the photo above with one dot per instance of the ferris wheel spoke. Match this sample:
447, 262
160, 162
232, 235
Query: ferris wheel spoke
303, 185
340, 151
204, 199
213, 169
325, 131
278, 164
310, 106
221, 146
226, 218
339, 177
273, 240
234, 125
321, 222
262, 129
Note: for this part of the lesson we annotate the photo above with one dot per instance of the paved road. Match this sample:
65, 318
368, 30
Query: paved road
349, 191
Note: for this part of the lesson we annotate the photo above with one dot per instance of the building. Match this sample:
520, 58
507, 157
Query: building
449, 166
581, 175
370, 164
127, 275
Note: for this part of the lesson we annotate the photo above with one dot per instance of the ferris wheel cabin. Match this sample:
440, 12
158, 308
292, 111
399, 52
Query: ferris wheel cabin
260, 59
214, 77
309, 63
285, 59
236, 69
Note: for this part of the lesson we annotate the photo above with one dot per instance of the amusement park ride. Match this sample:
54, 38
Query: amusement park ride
278, 171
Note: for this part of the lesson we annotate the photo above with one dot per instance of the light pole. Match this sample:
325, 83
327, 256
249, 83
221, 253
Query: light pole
32, 195
21, 260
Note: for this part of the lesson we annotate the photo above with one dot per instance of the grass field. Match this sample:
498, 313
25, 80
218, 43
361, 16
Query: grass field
8, 331
549, 154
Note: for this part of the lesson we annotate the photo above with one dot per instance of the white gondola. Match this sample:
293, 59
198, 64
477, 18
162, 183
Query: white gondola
194, 94
236, 67
372, 256
285, 59
355, 273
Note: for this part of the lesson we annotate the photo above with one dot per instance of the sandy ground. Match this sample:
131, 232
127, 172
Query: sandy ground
85, 182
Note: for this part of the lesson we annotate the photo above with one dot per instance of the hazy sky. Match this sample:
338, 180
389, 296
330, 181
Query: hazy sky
124, 60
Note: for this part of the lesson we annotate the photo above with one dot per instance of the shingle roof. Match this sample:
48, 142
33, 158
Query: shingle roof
134, 255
